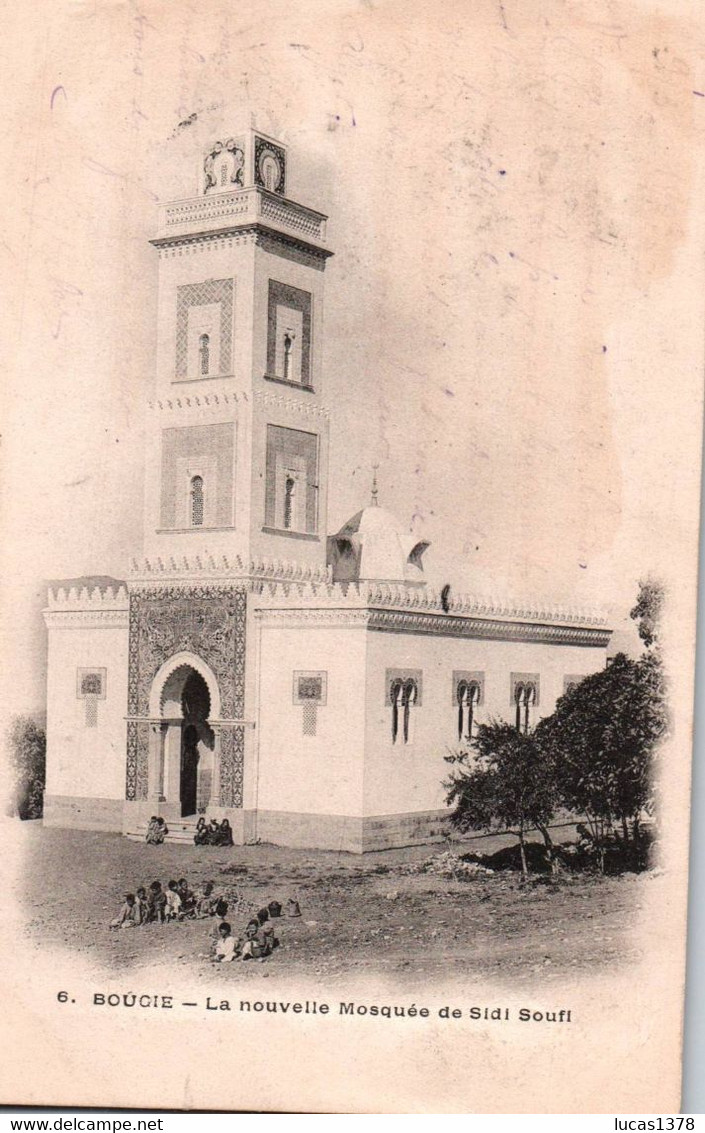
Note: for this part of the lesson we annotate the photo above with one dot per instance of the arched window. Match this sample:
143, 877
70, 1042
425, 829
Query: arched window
524, 698
468, 697
204, 343
289, 494
403, 695
197, 501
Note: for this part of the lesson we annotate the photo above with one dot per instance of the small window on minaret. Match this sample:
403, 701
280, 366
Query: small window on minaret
289, 494
204, 343
197, 501
288, 343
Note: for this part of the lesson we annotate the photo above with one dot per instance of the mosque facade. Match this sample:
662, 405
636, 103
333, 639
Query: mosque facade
252, 666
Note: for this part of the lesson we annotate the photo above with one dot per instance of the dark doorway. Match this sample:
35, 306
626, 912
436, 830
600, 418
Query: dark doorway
189, 769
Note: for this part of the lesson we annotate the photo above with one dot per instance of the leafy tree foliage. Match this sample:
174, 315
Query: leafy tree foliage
604, 736
27, 744
647, 611
509, 786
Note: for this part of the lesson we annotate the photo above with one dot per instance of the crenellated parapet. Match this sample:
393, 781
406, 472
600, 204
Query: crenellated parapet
72, 597
413, 597
86, 603
256, 572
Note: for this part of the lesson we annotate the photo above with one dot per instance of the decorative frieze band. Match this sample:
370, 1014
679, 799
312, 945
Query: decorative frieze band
199, 401
305, 408
256, 572
97, 619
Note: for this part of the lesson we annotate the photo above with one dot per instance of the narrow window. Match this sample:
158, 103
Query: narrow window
409, 697
288, 343
396, 693
525, 698
204, 352
197, 501
291, 490
403, 695
462, 707
473, 699
468, 697
289, 494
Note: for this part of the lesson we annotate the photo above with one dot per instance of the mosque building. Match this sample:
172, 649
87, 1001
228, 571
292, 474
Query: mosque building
252, 666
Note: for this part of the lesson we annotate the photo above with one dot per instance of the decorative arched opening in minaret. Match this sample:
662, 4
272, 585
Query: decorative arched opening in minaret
184, 700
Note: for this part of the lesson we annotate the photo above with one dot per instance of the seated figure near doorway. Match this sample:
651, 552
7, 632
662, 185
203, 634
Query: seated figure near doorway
157, 831
224, 835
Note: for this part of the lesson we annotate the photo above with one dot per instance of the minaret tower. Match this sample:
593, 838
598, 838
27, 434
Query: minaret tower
237, 442
236, 476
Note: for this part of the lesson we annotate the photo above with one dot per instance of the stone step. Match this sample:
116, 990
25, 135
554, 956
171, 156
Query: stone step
181, 832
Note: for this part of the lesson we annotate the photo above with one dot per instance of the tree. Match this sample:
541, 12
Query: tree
509, 788
27, 743
603, 737
648, 609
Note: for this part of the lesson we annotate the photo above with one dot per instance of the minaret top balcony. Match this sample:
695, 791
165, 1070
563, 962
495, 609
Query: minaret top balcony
242, 183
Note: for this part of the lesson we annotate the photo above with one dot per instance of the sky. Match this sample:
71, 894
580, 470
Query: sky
512, 313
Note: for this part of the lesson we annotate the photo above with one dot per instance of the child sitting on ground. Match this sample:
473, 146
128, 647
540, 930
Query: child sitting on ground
226, 946
188, 901
141, 907
156, 903
126, 918
256, 946
267, 930
205, 901
173, 902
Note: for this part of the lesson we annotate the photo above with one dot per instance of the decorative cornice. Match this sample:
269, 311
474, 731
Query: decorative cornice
436, 625
184, 247
261, 233
443, 625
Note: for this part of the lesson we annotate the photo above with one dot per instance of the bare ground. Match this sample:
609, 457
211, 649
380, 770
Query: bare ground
359, 914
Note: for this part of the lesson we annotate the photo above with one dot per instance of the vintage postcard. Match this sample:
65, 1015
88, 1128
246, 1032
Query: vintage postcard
351, 496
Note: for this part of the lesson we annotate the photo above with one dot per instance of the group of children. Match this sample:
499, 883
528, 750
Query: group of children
174, 903
259, 939
177, 902
213, 833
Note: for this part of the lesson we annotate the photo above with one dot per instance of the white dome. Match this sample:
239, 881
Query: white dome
375, 546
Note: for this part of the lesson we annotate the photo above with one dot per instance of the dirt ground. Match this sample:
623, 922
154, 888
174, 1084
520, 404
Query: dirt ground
359, 914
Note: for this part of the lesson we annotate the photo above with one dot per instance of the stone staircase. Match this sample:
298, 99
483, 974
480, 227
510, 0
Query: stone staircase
181, 832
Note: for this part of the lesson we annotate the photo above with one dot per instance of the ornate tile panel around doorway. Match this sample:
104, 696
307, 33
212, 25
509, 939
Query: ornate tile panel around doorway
209, 621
